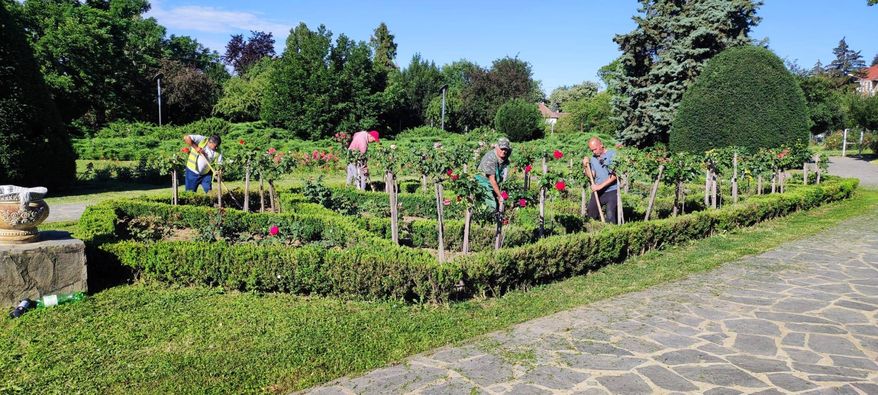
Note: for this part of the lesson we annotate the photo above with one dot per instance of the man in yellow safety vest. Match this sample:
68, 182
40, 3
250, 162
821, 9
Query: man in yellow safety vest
203, 157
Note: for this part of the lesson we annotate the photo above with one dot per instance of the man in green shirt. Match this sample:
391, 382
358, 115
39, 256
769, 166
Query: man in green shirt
492, 171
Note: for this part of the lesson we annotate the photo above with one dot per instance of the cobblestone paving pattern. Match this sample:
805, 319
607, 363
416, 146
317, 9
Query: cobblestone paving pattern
798, 319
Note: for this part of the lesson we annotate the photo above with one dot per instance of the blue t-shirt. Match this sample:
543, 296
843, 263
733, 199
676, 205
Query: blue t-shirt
601, 168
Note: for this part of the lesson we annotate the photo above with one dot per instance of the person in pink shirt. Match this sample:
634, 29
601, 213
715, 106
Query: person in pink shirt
358, 172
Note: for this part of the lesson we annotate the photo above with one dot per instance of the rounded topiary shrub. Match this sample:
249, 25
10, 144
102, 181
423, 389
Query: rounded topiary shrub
743, 97
520, 120
34, 146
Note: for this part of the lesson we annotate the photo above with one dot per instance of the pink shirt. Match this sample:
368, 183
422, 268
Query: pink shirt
360, 141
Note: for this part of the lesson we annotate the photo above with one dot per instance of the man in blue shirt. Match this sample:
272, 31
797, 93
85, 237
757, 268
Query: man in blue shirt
604, 180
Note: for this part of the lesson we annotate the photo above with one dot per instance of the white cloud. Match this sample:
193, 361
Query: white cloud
214, 20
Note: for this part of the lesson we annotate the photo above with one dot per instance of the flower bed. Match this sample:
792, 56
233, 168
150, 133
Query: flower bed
358, 263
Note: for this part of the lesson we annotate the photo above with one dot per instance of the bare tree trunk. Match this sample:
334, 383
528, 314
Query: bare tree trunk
626, 182
683, 200
805, 173
271, 196
677, 187
261, 194
424, 182
467, 221
545, 166
247, 187
394, 216
759, 185
774, 182
620, 212
707, 188
653, 192
818, 170
782, 179
174, 195
440, 223
713, 189
526, 180
735, 178
542, 220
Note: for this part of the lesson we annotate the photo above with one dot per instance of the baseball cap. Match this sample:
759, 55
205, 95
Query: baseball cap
374, 134
503, 143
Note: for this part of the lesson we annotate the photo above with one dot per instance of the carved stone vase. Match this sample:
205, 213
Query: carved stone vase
21, 210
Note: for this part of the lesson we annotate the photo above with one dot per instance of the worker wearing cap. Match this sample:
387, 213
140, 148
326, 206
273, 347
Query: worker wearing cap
358, 171
492, 171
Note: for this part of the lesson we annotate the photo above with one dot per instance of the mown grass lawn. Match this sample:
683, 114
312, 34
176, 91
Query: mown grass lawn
152, 338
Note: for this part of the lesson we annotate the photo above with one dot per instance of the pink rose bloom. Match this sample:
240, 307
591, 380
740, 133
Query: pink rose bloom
522, 202
504, 195
273, 230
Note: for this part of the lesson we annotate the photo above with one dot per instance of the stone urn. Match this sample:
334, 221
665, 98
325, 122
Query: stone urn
21, 210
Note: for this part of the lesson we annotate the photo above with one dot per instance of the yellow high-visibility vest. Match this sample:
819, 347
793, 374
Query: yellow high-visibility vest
192, 161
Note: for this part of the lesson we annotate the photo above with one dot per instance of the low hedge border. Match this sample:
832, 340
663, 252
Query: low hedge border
497, 272
377, 269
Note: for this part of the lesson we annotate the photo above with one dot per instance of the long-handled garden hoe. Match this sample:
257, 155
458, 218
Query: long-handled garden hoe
597, 199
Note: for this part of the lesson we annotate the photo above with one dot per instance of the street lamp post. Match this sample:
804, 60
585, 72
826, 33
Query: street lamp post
158, 81
443, 88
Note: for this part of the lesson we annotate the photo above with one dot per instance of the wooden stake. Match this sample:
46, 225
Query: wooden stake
440, 224
652, 193
247, 187
174, 196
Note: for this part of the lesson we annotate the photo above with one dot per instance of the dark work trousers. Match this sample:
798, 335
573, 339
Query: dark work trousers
608, 204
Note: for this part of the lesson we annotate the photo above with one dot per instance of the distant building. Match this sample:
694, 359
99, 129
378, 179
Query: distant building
551, 117
868, 82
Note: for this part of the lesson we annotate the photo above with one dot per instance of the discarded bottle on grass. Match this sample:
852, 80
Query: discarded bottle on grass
22, 308
54, 300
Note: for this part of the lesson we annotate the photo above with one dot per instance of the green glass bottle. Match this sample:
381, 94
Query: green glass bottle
54, 300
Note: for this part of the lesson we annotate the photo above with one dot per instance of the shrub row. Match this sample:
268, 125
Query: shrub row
560, 257
374, 268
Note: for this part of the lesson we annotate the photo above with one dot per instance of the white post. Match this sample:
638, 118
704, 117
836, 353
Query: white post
860, 144
844, 142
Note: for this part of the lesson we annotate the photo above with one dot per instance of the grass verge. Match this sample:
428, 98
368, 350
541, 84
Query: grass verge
148, 338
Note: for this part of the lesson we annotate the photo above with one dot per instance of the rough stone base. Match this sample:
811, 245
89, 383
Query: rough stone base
55, 264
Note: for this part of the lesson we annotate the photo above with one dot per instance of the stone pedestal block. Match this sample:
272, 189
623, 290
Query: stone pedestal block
55, 264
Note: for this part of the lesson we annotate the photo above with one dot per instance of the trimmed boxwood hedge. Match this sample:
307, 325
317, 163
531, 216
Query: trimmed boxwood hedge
373, 268
745, 97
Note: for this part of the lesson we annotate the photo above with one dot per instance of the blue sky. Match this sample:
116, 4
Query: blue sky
565, 41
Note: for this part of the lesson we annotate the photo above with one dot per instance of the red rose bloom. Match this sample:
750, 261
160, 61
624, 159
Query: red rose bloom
522, 202
561, 185
528, 168
184, 150
273, 230
558, 154
504, 195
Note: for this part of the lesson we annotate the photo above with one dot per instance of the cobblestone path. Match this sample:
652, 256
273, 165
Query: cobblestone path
800, 319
